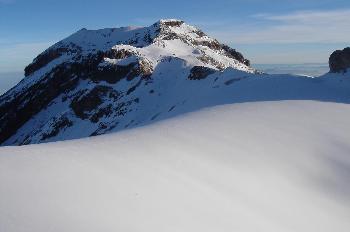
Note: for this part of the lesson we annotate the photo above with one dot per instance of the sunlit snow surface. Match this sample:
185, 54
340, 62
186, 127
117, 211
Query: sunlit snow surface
258, 166
235, 151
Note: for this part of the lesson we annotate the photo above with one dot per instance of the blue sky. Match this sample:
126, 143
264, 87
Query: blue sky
265, 31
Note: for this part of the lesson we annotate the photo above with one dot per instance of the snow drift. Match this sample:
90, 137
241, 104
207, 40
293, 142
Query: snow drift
262, 166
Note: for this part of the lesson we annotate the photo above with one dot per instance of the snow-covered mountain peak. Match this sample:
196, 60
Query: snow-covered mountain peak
97, 81
164, 38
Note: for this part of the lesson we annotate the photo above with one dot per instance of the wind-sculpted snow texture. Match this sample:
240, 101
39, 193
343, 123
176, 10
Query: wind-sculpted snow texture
99, 81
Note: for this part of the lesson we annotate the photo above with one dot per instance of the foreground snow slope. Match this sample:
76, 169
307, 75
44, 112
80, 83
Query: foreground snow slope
263, 166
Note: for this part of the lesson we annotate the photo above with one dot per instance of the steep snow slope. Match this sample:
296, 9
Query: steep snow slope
259, 166
167, 96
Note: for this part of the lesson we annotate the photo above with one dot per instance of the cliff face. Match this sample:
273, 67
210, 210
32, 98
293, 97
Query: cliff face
339, 61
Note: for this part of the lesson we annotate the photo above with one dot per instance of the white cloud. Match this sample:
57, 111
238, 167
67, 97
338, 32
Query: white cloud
331, 26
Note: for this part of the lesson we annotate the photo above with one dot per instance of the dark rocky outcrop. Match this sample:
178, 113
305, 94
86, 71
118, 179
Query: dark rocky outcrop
83, 104
199, 72
113, 74
27, 104
57, 126
62, 79
209, 60
235, 55
173, 23
117, 54
48, 56
230, 52
339, 61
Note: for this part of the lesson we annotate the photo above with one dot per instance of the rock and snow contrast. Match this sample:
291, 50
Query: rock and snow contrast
204, 142
101, 81
95, 82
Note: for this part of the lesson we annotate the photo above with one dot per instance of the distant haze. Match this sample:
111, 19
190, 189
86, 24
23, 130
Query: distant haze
8, 80
313, 69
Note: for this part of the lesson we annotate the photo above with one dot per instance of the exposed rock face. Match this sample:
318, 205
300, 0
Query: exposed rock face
199, 72
14, 113
83, 104
235, 55
50, 55
57, 125
172, 23
107, 80
339, 61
